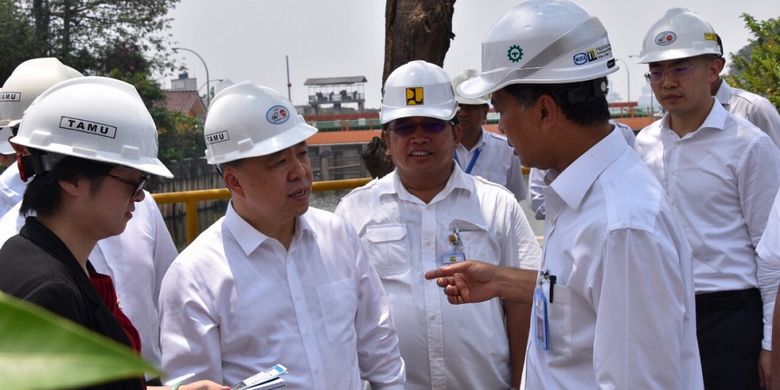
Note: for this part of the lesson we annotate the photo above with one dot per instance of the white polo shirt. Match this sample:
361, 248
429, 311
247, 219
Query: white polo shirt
755, 108
136, 260
622, 315
721, 180
444, 346
236, 301
769, 246
493, 159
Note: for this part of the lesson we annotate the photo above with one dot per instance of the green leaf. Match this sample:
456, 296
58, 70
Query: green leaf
39, 350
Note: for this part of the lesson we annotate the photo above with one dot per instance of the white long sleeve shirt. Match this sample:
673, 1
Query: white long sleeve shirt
537, 180
236, 301
755, 108
769, 246
444, 346
493, 159
721, 180
136, 260
623, 314
11, 188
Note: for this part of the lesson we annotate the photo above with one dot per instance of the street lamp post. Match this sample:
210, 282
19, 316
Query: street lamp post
208, 88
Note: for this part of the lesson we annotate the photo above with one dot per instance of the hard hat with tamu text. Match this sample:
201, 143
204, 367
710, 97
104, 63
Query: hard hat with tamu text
246, 120
680, 33
542, 42
94, 118
418, 88
25, 83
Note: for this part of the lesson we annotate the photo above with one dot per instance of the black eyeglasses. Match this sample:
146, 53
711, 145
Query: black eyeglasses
137, 186
674, 72
432, 127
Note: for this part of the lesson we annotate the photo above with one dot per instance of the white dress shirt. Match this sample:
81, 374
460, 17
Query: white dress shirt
769, 246
536, 178
11, 188
136, 260
236, 301
494, 160
623, 314
755, 108
444, 346
721, 180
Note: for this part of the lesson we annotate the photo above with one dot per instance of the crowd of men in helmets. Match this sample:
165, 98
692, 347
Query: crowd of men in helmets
659, 266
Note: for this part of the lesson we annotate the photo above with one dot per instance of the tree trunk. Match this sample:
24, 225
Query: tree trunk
417, 30
42, 16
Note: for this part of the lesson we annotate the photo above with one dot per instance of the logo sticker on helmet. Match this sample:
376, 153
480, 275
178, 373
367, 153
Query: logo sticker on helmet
215, 138
415, 96
710, 36
88, 127
580, 58
277, 115
665, 38
10, 96
515, 53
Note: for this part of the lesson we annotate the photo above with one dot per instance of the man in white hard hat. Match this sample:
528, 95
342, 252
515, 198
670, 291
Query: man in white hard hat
137, 259
721, 174
755, 108
613, 304
428, 212
481, 152
274, 281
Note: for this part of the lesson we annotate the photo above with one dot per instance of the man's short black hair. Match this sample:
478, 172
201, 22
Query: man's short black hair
583, 103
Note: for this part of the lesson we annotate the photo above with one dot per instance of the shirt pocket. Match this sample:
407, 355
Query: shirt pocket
560, 319
338, 302
387, 249
478, 243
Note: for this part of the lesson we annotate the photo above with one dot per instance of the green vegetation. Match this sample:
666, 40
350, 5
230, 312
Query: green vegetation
756, 67
39, 350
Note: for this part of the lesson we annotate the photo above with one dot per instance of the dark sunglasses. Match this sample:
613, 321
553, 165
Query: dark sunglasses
138, 186
406, 129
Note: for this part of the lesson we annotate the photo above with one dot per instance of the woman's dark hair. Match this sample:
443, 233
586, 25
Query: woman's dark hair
44, 194
583, 103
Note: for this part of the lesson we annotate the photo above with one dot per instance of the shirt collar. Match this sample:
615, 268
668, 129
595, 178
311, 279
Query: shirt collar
724, 93
480, 143
716, 119
573, 183
391, 184
249, 238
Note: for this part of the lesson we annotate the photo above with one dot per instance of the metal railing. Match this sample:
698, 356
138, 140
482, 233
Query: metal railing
192, 198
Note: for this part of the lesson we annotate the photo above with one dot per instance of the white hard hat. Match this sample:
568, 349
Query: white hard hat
680, 33
246, 120
459, 79
418, 88
94, 118
27, 81
542, 42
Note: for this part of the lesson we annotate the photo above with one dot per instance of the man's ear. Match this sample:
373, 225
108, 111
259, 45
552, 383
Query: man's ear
549, 112
74, 187
230, 175
386, 140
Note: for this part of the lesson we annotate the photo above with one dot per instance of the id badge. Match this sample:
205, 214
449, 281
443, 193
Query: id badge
541, 326
452, 257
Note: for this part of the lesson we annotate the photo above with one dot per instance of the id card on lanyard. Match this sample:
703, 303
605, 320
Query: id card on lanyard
541, 318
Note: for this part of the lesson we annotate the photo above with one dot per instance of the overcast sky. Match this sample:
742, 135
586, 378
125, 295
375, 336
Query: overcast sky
248, 39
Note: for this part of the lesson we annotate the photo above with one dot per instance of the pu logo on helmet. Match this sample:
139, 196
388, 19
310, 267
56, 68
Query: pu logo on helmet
277, 115
10, 96
665, 38
89, 127
415, 96
580, 58
515, 53
215, 138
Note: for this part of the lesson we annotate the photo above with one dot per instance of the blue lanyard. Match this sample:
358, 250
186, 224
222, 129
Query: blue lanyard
474, 158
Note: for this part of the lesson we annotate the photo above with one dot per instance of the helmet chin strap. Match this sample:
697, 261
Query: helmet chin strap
36, 163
